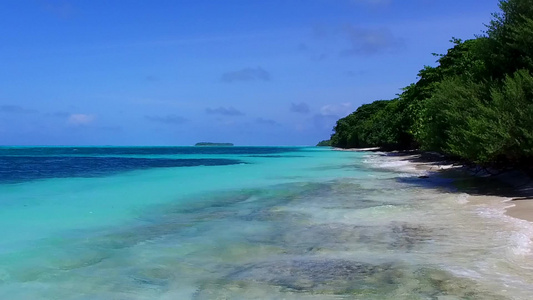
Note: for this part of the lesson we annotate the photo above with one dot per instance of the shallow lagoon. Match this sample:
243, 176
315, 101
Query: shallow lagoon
275, 223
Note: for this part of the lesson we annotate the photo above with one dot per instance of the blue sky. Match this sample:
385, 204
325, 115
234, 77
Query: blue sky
276, 72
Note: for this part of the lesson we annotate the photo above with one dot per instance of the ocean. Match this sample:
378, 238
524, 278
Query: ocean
248, 223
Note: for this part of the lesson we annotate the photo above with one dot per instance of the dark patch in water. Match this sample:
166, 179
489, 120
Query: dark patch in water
24, 168
312, 274
312, 238
436, 182
155, 277
133, 236
408, 236
274, 156
268, 197
114, 151
343, 277
343, 237
268, 215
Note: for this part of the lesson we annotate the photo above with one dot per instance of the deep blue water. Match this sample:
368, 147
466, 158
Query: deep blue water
23, 168
86, 151
19, 164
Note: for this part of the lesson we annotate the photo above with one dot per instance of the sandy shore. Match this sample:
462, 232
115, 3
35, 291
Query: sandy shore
513, 187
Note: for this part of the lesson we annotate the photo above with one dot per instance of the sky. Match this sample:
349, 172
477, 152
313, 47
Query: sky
177, 72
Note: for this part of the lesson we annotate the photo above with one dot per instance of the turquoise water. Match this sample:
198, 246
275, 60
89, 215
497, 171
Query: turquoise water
247, 223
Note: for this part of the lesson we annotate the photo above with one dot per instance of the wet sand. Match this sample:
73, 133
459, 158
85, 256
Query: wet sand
521, 210
513, 187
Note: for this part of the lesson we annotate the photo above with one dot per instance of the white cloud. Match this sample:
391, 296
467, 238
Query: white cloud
302, 108
373, 2
168, 119
80, 119
329, 114
269, 122
340, 109
246, 74
15, 109
61, 9
229, 111
369, 41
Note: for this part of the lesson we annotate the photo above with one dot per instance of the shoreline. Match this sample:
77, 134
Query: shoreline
514, 187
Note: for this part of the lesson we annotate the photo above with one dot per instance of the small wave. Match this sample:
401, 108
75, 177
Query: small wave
463, 198
393, 163
519, 233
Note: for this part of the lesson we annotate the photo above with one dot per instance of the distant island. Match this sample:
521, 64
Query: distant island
213, 144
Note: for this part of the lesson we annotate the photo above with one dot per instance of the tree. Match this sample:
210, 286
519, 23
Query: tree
476, 104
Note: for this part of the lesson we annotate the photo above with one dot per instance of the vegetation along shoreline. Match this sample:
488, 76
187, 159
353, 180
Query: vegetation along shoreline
475, 106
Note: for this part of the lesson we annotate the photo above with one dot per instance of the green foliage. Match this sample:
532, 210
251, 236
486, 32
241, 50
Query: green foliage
509, 48
349, 131
324, 143
370, 125
450, 113
485, 127
210, 144
476, 104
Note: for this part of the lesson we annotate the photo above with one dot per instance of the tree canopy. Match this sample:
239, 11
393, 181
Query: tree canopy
476, 104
